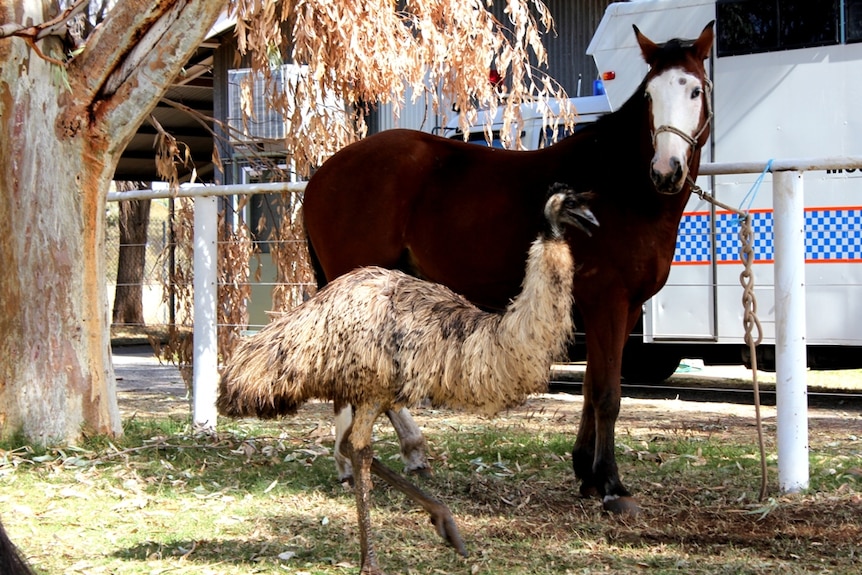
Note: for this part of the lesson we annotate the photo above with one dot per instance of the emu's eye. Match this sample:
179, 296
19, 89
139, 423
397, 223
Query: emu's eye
696, 93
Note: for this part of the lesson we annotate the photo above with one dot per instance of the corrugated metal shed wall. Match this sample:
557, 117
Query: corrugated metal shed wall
418, 115
575, 22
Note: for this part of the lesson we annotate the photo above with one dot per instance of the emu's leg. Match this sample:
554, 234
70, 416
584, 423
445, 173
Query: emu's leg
441, 517
413, 445
362, 487
440, 514
358, 449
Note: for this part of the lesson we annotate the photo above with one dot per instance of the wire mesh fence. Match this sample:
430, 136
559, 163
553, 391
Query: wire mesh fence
278, 275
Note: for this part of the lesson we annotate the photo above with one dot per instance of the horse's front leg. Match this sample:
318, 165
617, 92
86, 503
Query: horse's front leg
584, 450
593, 457
413, 445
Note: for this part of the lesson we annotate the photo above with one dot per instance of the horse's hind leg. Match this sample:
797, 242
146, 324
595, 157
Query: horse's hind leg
343, 463
413, 445
584, 450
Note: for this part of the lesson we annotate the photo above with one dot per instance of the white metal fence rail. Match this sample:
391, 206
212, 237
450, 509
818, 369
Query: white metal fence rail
789, 246
791, 386
205, 265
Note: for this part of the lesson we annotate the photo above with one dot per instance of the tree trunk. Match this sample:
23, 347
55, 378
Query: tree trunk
131, 261
62, 129
56, 371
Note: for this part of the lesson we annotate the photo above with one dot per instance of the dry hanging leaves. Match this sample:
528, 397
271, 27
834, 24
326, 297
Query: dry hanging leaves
359, 53
345, 57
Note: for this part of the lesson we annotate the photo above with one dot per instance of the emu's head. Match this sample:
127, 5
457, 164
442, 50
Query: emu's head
564, 207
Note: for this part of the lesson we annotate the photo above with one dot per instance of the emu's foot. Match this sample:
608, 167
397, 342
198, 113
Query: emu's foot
621, 505
371, 570
423, 472
446, 528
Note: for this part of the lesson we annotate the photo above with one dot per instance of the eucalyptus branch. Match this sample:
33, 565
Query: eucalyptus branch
168, 154
57, 26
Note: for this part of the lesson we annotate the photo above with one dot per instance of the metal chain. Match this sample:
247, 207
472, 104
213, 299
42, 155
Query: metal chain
750, 321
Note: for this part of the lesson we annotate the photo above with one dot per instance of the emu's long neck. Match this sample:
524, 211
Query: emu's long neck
511, 359
541, 313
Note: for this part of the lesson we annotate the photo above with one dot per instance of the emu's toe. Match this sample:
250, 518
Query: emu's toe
446, 528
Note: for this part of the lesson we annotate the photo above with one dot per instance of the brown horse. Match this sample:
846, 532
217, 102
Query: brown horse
419, 203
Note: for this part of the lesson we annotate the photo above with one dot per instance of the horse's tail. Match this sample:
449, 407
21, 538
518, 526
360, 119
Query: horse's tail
11, 562
319, 276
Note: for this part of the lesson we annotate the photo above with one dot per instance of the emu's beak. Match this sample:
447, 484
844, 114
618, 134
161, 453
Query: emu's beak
580, 217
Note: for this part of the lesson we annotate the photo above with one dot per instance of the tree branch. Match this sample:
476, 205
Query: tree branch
55, 27
132, 57
148, 42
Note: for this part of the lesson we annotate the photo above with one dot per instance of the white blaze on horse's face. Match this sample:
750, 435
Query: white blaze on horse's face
676, 101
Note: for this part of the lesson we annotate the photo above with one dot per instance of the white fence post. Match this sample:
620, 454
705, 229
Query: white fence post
205, 362
790, 354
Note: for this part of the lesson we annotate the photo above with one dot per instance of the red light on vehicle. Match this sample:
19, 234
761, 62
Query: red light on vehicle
495, 78
609, 75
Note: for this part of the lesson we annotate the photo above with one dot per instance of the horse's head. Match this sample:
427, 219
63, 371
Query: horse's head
678, 92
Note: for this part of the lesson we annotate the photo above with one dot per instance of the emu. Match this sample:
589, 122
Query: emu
378, 340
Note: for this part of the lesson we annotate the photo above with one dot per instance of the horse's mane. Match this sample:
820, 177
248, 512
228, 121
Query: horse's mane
674, 52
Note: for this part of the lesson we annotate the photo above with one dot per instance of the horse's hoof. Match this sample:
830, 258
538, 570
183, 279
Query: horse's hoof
589, 492
621, 505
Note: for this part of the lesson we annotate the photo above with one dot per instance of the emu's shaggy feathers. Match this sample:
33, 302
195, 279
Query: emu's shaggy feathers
380, 337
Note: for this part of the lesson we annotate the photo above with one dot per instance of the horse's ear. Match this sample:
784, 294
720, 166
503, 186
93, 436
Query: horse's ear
703, 45
648, 47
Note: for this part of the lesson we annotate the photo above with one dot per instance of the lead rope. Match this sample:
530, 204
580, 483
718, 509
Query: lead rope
749, 319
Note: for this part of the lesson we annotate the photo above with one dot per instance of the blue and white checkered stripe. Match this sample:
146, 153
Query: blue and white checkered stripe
831, 235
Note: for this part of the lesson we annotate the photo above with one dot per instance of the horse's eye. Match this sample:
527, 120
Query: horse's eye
696, 93
647, 96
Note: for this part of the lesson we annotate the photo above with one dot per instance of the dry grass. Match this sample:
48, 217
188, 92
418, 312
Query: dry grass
262, 499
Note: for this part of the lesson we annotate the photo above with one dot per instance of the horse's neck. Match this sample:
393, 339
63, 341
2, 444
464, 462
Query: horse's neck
630, 125
617, 141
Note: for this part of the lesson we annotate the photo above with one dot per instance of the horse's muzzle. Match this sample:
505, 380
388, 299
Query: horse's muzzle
668, 179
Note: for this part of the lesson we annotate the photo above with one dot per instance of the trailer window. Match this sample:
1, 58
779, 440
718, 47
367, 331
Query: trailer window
853, 20
751, 26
